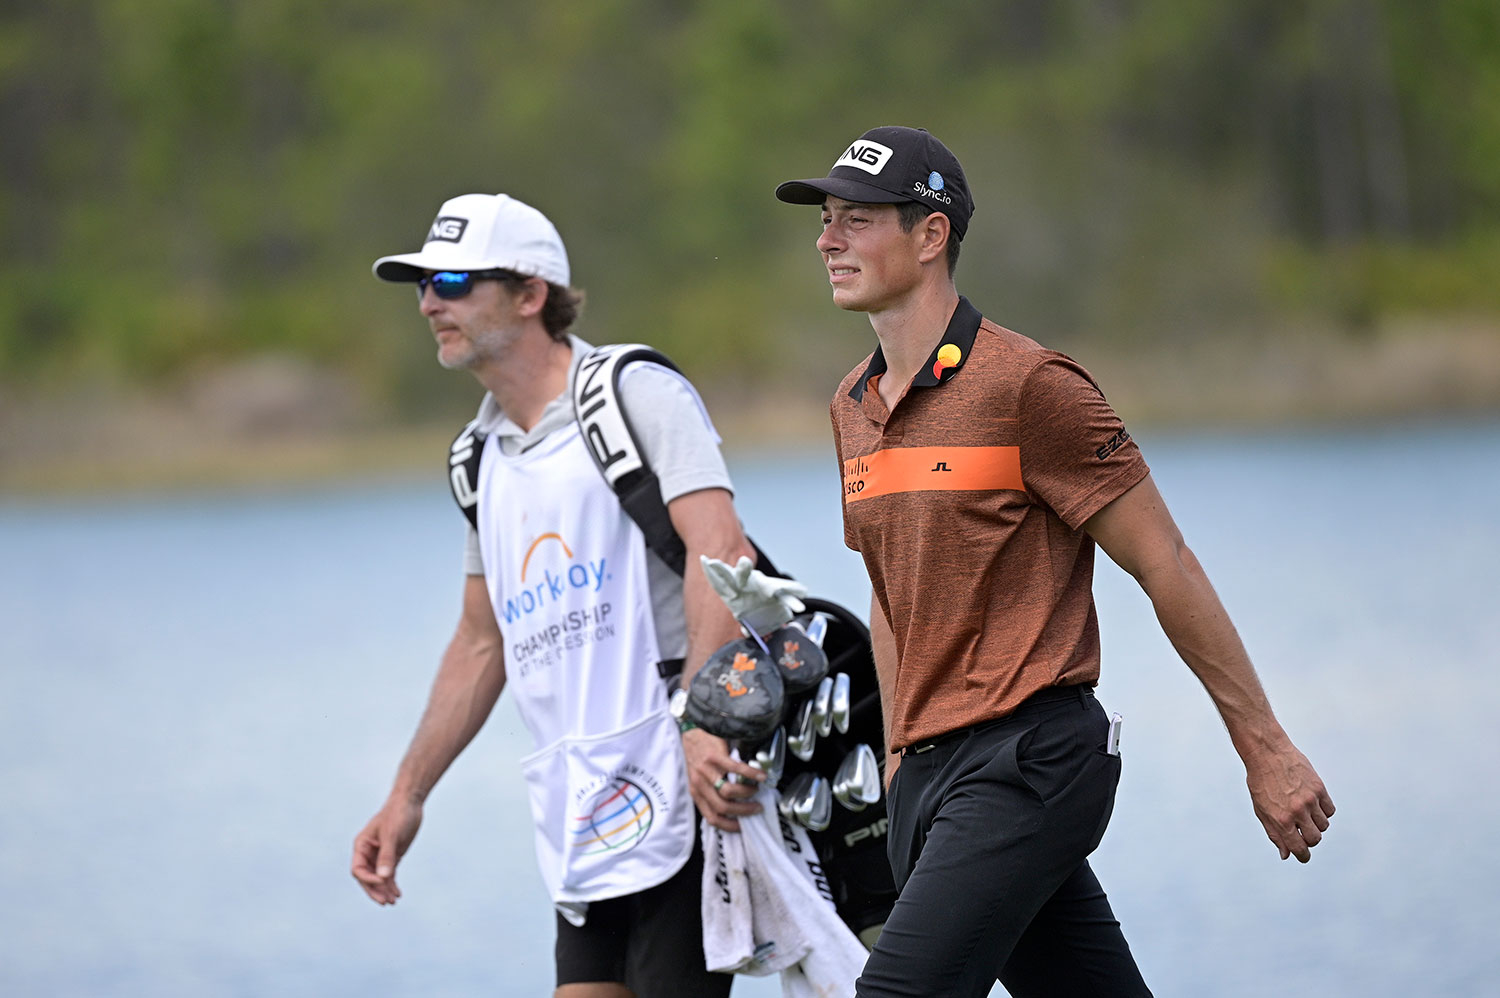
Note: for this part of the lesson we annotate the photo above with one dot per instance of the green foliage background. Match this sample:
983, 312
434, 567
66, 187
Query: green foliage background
184, 182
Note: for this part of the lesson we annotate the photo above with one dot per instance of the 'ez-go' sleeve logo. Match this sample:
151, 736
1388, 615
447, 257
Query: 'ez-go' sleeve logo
865, 155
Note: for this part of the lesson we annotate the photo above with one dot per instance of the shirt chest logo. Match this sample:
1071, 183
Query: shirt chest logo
932, 469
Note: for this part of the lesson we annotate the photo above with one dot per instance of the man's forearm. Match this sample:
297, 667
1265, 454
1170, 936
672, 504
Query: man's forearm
1138, 533
1195, 621
468, 683
706, 522
1289, 797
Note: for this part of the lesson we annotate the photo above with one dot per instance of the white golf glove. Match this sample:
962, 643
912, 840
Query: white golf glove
759, 601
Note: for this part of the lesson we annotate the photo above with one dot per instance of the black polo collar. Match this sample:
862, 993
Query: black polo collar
959, 335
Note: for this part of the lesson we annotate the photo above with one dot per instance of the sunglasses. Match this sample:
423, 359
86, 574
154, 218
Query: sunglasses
450, 284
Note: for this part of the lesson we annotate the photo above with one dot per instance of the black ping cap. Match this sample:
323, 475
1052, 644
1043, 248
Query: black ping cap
888, 165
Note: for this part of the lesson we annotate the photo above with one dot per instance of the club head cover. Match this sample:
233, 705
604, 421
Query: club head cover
802, 663
738, 694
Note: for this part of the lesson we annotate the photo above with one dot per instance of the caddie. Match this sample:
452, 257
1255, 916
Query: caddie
565, 604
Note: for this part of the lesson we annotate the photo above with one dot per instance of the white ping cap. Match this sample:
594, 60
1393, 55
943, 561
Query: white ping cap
484, 232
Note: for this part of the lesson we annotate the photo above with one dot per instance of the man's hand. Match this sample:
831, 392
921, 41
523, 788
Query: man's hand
720, 799
759, 601
1290, 801
380, 845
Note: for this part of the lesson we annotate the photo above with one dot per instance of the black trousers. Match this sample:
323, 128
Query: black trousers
990, 828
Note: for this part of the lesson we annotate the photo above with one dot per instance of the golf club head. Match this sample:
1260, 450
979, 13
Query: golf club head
738, 694
815, 809
785, 804
802, 738
864, 777
817, 628
842, 700
843, 783
808, 802
803, 664
770, 756
823, 707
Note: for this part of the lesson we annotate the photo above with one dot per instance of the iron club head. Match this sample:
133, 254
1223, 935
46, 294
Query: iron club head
770, 756
864, 785
823, 707
817, 628
841, 702
810, 801
803, 737
843, 783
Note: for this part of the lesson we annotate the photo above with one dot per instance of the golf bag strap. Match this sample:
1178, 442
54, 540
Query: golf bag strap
463, 470
612, 443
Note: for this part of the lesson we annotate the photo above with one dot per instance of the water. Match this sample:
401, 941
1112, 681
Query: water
203, 697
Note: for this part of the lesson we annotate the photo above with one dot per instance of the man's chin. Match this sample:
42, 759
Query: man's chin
847, 301
455, 361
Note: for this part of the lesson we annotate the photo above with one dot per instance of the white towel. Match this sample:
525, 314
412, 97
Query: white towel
726, 902
739, 934
779, 851
730, 941
765, 910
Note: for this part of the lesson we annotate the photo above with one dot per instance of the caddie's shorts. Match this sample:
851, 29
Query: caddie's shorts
990, 827
651, 942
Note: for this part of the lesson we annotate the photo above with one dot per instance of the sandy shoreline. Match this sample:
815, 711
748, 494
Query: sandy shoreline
291, 426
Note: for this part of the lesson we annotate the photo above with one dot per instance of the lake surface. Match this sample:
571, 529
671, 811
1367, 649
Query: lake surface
203, 697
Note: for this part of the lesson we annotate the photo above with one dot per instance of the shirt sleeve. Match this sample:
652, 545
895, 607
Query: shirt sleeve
473, 560
677, 438
1076, 455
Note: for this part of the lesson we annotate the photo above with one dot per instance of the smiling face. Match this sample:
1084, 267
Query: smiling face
872, 263
478, 328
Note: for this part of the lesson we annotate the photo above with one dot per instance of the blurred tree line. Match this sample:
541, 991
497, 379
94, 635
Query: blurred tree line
184, 182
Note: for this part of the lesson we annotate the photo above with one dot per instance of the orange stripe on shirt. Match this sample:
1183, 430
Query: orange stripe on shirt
932, 469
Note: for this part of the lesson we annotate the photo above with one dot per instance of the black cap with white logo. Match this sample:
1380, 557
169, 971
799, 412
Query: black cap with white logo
888, 165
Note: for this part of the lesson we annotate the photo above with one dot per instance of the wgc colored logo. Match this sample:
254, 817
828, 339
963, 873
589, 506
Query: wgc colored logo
617, 819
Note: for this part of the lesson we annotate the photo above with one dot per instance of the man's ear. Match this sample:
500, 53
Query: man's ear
531, 297
936, 231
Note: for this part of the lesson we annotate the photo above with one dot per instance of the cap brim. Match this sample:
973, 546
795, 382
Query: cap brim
408, 267
396, 271
814, 191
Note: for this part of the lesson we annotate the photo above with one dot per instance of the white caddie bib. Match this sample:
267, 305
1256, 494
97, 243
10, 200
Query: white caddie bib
566, 572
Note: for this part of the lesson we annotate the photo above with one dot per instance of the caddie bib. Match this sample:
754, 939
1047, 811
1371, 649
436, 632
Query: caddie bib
566, 573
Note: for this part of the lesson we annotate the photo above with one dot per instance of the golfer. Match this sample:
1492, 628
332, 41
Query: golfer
980, 469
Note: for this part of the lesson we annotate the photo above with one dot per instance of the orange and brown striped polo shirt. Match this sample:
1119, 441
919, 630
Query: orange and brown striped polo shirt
967, 503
